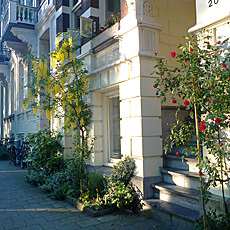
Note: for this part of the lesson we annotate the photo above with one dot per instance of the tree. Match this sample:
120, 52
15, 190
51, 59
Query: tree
61, 93
203, 83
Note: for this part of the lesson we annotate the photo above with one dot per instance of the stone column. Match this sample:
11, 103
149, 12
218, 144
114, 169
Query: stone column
140, 108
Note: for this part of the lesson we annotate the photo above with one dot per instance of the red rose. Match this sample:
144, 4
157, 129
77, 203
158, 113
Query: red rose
221, 144
155, 54
217, 120
177, 153
102, 28
208, 43
185, 59
155, 86
229, 78
186, 102
191, 49
202, 126
210, 85
173, 54
174, 101
210, 101
218, 42
224, 65
200, 173
111, 20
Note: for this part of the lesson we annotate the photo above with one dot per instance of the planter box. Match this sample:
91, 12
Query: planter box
81, 207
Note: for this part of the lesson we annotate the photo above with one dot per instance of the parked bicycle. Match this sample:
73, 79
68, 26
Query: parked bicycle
24, 153
13, 152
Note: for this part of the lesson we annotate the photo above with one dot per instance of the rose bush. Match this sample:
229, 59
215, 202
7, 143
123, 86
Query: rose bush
203, 82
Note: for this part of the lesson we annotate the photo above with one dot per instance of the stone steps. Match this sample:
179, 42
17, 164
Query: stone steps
189, 163
177, 199
185, 197
181, 178
178, 217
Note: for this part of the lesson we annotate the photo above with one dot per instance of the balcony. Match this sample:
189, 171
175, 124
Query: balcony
44, 8
16, 15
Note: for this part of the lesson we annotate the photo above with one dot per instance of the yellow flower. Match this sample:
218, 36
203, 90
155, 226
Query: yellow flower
82, 121
35, 110
48, 114
64, 44
57, 42
70, 42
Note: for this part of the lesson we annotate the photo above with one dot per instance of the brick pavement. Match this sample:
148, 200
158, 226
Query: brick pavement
25, 207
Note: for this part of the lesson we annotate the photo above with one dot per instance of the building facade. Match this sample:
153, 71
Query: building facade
118, 40
127, 115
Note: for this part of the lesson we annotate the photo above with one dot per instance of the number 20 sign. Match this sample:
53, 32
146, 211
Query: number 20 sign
211, 2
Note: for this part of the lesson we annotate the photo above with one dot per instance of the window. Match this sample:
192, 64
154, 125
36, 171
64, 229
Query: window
112, 7
86, 25
114, 128
76, 18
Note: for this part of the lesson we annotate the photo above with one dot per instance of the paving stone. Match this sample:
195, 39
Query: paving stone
14, 224
72, 219
148, 224
73, 226
106, 218
52, 224
32, 221
25, 207
88, 223
31, 227
108, 226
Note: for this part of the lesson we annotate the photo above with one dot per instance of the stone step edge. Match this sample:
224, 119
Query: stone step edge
163, 186
182, 214
179, 172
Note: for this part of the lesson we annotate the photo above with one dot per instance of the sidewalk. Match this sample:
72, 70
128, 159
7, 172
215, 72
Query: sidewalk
25, 207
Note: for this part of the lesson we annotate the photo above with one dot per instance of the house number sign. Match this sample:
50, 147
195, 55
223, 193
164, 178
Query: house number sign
212, 2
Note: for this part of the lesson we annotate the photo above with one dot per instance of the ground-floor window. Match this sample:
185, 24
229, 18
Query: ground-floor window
111, 121
114, 128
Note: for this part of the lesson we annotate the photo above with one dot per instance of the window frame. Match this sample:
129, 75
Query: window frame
108, 159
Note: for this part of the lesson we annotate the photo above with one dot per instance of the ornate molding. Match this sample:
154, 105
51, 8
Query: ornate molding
20, 49
27, 36
148, 8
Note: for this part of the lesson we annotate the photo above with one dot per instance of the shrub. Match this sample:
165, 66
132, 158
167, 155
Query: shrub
36, 177
57, 185
120, 192
123, 171
4, 154
95, 184
47, 151
123, 196
214, 221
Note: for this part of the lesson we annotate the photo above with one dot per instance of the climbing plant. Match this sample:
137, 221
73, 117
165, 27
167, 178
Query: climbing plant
61, 92
202, 86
